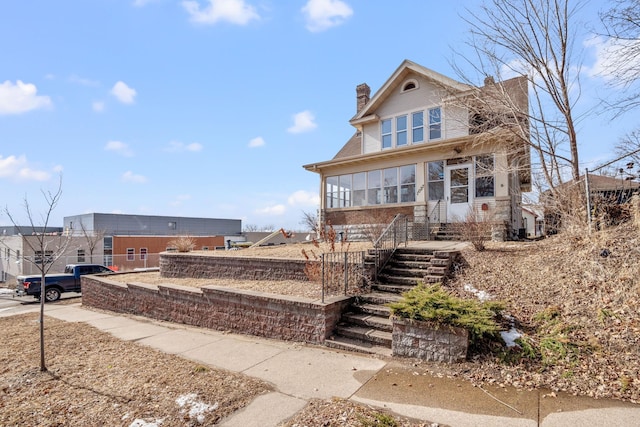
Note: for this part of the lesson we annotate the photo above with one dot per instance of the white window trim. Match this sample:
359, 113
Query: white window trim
409, 81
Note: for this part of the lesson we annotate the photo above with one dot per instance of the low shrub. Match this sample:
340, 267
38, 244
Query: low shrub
433, 303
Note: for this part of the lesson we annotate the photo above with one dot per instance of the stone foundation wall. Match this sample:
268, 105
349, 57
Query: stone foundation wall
206, 266
223, 309
429, 341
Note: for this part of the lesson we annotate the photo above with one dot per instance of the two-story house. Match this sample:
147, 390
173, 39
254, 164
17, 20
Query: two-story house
434, 149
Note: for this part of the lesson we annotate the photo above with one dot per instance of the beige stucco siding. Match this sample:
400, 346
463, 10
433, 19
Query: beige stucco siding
426, 96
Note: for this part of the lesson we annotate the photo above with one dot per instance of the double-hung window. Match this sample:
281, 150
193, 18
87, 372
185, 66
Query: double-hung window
435, 123
374, 188
408, 183
359, 189
386, 134
485, 181
417, 127
435, 177
131, 254
332, 192
344, 186
401, 131
390, 185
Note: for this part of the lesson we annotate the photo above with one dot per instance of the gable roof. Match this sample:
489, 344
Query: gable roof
400, 75
353, 147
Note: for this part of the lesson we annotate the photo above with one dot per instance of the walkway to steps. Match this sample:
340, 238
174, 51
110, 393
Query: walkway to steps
366, 325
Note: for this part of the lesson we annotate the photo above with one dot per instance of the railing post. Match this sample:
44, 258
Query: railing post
322, 267
346, 272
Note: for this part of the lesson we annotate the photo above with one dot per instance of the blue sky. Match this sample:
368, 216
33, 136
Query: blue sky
209, 108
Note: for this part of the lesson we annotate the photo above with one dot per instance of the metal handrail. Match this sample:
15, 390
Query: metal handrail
436, 207
395, 234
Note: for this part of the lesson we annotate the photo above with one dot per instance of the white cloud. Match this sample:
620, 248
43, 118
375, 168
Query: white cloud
119, 148
303, 122
18, 168
177, 146
123, 93
129, 176
97, 106
83, 81
275, 210
21, 97
304, 198
609, 55
256, 142
233, 11
324, 14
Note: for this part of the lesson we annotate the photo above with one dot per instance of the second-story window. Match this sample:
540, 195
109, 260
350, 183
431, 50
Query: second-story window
435, 123
401, 131
417, 127
386, 134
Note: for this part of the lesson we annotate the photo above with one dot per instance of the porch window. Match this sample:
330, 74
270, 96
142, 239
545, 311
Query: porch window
374, 189
344, 189
391, 185
435, 123
435, 177
332, 192
386, 133
485, 178
417, 127
359, 189
408, 183
401, 131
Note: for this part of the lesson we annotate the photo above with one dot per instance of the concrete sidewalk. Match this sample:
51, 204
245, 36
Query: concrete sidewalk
300, 372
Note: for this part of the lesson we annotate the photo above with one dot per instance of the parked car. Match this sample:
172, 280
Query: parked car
57, 283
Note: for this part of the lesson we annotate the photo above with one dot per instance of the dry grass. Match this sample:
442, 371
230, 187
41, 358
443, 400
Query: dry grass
95, 379
577, 298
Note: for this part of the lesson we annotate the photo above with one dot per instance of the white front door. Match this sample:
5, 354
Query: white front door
457, 193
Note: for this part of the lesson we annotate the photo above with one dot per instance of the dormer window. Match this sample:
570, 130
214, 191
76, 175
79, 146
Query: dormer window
409, 85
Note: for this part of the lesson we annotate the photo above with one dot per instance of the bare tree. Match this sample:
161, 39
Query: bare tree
47, 247
534, 38
93, 238
310, 222
622, 29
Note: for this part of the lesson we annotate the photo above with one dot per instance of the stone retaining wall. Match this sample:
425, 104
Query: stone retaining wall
207, 266
429, 341
223, 309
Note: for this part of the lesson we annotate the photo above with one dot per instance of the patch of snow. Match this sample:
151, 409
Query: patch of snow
481, 295
5, 291
510, 336
197, 409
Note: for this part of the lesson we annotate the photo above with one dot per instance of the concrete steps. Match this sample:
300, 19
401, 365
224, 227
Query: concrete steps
366, 325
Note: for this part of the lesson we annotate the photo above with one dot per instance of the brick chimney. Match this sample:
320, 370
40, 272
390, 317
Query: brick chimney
363, 92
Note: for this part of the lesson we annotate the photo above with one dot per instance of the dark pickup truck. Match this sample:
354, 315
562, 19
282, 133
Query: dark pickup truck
56, 284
